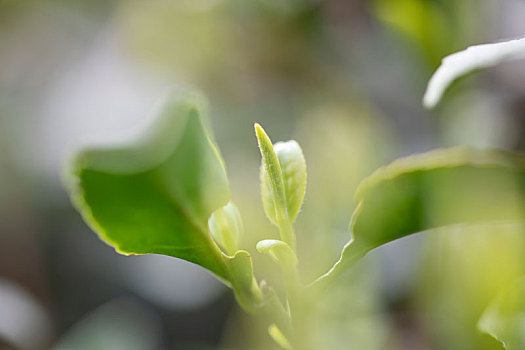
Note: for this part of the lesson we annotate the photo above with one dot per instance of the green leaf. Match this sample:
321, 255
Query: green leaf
267, 196
504, 319
155, 195
434, 190
468, 60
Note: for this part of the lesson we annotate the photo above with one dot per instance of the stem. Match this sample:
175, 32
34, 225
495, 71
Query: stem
296, 306
293, 288
287, 232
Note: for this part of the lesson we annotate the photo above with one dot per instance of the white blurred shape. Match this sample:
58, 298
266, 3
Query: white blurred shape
103, 97
23, 321
120, 324
463, 62
169, 282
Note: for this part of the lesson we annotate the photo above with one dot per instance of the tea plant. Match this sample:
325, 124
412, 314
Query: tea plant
168, 193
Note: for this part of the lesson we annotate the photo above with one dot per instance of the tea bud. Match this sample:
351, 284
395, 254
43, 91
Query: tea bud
293, 170
293, 167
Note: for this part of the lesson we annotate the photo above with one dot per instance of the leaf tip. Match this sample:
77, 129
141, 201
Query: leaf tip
259, 131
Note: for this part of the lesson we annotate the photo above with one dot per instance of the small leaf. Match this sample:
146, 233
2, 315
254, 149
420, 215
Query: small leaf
434, 190
463, 62
279, 337
226, 227
244, 285
504, 319
279, 251
267, 196
155, 196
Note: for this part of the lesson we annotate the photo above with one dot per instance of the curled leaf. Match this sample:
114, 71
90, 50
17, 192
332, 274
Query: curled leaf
279, 251
226, 227
243, 282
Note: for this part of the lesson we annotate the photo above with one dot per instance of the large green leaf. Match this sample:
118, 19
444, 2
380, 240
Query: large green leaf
155, 195
504, 319
433, 190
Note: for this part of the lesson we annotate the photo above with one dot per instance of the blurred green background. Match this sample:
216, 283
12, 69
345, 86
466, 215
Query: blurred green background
344, 78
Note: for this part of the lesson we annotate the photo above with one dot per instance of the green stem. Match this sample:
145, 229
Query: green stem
296, 307
293, 287
287, 232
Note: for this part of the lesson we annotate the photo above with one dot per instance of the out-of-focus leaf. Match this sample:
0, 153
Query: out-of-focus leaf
463, 62
427, 24
433, 190
192, 38
226, 227
466, 266
504, 319
279, 337
156, 195
245, 286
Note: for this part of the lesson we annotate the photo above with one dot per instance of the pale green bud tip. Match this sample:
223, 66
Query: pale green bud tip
226, 227
262, 138
258, 128
293, 167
